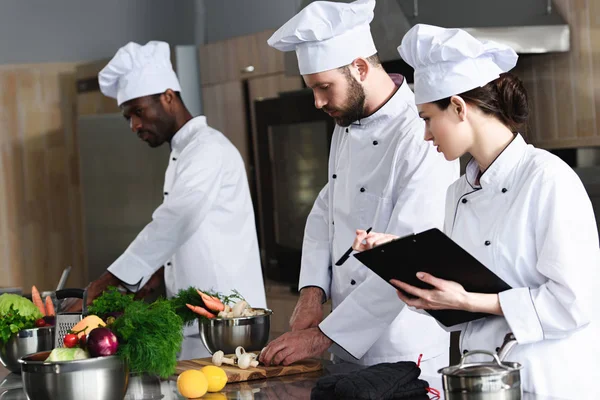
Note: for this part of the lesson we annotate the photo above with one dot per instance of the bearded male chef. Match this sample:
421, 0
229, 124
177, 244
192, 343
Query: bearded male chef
382, 174
207, 206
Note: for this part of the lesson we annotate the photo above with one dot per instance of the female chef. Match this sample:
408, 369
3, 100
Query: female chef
519, 210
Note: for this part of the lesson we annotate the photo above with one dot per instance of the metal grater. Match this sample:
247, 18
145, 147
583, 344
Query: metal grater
66, 321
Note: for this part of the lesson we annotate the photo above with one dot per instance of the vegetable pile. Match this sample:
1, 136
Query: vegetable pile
147, 336
18, 313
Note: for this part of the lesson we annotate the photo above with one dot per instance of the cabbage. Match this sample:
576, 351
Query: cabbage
24, 307
67, 354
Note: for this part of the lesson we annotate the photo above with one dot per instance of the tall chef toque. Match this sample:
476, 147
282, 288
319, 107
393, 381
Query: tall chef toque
448, 62
137, 71
327, 35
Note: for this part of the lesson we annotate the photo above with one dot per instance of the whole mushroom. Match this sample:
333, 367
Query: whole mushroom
219, 359
245, 360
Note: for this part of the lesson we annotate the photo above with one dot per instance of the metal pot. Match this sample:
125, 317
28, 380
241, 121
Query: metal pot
494, 380
225, 334
100, 378
24, 342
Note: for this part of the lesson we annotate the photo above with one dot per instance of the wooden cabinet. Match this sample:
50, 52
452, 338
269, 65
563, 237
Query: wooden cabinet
224, 108
239, 58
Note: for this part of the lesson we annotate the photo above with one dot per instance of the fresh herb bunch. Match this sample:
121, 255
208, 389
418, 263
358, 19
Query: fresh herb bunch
183, 297
231, 299
12, 322
191, 296
150, 336
110, 301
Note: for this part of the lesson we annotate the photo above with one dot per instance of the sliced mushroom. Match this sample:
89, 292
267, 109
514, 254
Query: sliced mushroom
219, 359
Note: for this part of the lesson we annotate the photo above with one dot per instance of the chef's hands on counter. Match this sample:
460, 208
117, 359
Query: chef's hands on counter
445, 295
306, 339
295, 346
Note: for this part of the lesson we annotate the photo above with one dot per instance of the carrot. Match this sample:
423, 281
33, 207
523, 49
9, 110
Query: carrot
212, 303
49, 307
37, 300
200, 311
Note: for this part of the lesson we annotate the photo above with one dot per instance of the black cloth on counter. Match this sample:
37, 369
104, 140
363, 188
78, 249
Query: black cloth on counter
384, 381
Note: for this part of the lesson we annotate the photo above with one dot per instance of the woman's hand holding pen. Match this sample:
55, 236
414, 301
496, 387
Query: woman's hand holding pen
365, 240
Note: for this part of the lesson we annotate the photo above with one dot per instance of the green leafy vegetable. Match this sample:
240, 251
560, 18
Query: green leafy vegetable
12, 322
150, 336
183, 297
16, 313
68, 354
110, 301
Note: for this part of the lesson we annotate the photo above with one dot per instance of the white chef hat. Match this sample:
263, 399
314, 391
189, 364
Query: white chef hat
448, 62
327, 35
137, 71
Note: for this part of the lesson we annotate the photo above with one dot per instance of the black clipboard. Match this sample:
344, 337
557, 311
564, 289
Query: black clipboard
433, 252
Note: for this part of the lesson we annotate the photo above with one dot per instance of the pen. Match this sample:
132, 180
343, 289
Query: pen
347, 253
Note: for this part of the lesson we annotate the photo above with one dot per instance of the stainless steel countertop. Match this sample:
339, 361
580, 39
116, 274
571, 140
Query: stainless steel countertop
289, 387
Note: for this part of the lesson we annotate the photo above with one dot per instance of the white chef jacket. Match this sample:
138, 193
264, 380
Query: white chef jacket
204, 231
382, 174
531, 222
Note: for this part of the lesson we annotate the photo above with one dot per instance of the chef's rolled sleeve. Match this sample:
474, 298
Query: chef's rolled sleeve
519, 311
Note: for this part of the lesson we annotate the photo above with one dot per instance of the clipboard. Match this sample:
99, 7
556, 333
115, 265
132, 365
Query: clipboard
433, 252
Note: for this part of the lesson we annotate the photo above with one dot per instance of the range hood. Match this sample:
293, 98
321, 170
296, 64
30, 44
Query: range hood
528, 26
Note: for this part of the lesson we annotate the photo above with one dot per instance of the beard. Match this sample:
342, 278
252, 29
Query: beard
355, 108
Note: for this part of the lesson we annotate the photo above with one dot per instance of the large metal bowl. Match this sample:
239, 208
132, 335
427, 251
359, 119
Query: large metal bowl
100, 378
25, 342
252, 333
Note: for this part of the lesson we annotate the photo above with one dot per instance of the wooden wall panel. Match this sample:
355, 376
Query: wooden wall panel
40, 206
564, 88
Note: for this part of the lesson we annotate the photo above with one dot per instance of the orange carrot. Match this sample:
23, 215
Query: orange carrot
200, 311
49, 307
212, 303
37, 300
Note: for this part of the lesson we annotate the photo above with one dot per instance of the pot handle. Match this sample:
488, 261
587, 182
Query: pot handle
489, 353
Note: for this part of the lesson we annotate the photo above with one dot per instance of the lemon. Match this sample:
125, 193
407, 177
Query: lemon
217, 378
192, 384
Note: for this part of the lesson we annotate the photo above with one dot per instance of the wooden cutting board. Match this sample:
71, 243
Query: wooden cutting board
235, 374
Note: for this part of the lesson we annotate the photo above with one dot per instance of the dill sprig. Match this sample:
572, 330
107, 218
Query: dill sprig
150, 336
110, 301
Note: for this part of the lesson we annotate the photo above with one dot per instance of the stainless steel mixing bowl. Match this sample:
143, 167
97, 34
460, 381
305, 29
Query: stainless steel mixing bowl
252, 333
25, 342
100, 378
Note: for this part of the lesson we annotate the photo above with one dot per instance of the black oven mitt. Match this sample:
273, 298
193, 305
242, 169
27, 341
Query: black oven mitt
382, 381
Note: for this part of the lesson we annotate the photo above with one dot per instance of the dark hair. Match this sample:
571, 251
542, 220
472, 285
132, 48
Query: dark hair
505, 98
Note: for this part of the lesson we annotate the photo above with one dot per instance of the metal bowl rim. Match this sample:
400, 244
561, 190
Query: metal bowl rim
451, 371
24, 360
25, 333
231, 321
